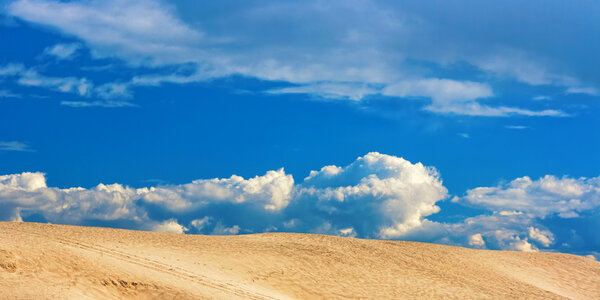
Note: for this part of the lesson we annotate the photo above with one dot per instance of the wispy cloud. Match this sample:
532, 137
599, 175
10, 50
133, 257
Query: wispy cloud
11, 69
107, 103
542, 97
516, 127
15, 146
325, 56
8, 94
476, 109
63, 51
80, 86
583, 90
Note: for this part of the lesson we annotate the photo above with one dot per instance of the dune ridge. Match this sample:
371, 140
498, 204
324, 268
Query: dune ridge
42, 261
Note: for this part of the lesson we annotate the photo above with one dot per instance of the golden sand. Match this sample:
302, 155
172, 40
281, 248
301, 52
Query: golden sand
42, 261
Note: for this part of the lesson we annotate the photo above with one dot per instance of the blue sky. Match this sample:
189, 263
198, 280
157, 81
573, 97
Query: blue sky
467, 123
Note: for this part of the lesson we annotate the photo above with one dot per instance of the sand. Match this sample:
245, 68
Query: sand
42, 261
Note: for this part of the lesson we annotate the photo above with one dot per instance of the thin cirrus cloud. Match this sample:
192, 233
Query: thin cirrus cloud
376, 196
15, 146
81, 86
313, 46
8, 94
63, 51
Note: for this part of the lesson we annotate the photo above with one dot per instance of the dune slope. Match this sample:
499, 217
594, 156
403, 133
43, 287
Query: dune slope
44, 261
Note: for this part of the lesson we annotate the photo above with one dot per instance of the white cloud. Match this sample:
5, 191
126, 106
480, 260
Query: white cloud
271, 192
25, 181
391, 190
351, 91
498, 231
516, 127
311, 44
220, 229
11, 69
30, 77
545, 237
81, 86
170, 226
105, 103
448, 96
376, 196
63, 51
28, 191
476, 109
458, 97
542, 98
113, 90
522, 245
347, 232
549, 195
440, 90
583, 90
137, 30
476, 240
199, 224
523, 67
8, 94
14, 146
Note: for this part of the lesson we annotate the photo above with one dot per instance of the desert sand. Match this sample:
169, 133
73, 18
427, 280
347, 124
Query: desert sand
43, 261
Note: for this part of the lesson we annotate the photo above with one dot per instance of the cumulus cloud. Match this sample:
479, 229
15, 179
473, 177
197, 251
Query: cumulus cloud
476, 240
376, 196
310, 44
28, 192
199, 224
549, 195
271, 192
544, 237
499, 231
220, 229
524, 211
380, 187
170, 226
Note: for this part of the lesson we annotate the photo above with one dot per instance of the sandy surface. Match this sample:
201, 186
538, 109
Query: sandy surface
41, 261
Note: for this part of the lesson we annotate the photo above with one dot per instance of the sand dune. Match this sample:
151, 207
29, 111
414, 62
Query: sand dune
41, 261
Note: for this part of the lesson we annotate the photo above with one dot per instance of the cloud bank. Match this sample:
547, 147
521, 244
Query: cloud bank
383, 50
376, 196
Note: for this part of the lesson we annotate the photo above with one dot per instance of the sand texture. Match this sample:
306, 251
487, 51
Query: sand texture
41, 261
